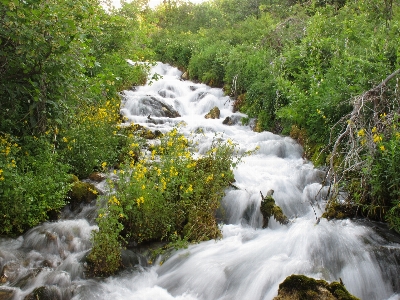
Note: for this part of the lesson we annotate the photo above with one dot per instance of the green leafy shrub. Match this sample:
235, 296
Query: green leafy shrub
207, 65
33, 183
105, 256
167, 195
380, 176
94, 139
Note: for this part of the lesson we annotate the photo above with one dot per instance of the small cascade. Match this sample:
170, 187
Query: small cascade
249, 262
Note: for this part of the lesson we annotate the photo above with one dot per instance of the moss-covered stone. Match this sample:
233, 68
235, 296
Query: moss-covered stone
213, 114
300, 287
73, 178
143, 131
81, 192
269, 208
335, 210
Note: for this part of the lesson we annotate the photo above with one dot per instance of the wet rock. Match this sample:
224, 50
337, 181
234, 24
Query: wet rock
228, 121
6, 294
129, 258
201, 95
185, 76
81, 192
300, 287
9, 272
51, 236
157, 108
97, 176
269, 208
44, 293
213, 114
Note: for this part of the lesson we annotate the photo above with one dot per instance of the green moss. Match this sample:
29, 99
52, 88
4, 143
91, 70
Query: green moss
335, 210
340, 292
269, 208
301, 287
81, 192
73, 178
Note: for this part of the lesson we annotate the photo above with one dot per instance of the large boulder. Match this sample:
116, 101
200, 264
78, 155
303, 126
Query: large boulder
300, 287
150, 105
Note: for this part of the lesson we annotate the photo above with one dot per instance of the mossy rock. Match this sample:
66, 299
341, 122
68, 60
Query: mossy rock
300, 287
73, 178
81, 192
143, 131
213, 114
269, 208
335, 210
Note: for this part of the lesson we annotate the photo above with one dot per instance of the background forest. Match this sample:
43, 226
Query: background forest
309, 69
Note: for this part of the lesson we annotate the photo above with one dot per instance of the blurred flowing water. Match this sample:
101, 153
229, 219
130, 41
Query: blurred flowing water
248, 262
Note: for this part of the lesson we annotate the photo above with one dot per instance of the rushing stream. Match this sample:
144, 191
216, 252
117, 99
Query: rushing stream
248, 262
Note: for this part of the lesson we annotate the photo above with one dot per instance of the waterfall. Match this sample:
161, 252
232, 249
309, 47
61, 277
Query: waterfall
248, 262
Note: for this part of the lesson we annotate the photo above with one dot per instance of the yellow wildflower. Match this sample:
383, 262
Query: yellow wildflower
382, 147
377, 138
189, 189
140, 200
114, 200
209, 178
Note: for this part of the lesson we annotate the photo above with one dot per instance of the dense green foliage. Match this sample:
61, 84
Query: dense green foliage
61, 66
295, 66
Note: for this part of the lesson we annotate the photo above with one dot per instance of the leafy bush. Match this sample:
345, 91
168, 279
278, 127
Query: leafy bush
207, 65
379, 191
91, 139
167, 195
33, 183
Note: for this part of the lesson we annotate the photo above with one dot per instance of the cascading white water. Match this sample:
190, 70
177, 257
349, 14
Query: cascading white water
248, 262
